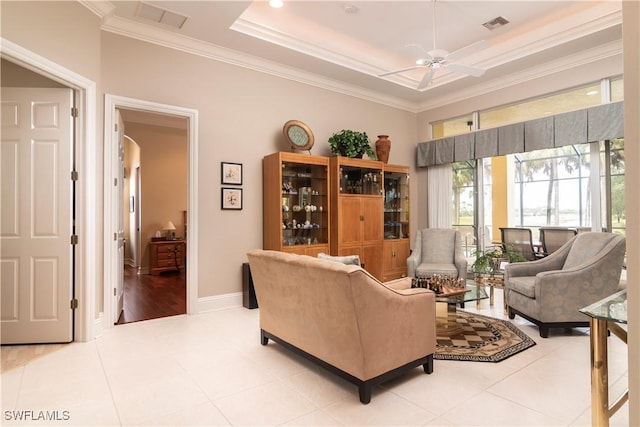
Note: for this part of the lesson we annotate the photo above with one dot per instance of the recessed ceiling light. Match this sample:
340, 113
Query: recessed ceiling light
592, 92
276, 4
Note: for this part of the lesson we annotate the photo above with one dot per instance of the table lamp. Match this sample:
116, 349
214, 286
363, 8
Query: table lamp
170, 229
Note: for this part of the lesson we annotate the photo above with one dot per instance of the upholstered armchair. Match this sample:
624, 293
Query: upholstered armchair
550, 291
437, 251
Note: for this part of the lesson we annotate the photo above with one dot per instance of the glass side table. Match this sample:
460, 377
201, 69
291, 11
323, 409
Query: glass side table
605, 316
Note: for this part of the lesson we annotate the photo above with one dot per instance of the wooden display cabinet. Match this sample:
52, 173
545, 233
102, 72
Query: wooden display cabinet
296, 203
396, 221
357, 214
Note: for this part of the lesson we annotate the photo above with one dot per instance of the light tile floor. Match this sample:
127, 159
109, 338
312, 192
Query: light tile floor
210, 369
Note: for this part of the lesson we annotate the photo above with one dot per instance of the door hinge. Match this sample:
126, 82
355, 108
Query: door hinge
115, 182
115, 236
74, 112
74, 304
115, 292
74, 175
74, 239
115, 127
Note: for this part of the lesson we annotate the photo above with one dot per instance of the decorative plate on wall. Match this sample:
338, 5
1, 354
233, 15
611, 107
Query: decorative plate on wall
298, 134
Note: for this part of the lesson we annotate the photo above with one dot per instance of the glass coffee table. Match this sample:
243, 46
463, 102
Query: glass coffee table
446, 319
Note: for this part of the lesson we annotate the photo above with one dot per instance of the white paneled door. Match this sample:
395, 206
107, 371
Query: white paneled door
36, 253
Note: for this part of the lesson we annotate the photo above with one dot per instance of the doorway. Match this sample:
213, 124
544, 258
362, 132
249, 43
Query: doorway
154, 194
112, 213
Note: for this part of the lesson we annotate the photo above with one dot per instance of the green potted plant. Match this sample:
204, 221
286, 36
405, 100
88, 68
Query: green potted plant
488, 262
349, 143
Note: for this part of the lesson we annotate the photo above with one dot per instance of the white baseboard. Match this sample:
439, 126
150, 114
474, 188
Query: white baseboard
219, 302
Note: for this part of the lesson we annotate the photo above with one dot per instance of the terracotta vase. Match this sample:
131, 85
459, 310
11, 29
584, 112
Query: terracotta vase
383, 147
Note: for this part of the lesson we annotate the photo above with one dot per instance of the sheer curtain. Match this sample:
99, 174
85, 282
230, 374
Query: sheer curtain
439, 196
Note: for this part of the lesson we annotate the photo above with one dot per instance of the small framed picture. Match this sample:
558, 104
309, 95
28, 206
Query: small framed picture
231, 173
232, 198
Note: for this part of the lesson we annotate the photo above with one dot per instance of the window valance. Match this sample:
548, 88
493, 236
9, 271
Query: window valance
575, 127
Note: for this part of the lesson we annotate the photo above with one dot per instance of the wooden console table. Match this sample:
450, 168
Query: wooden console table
166, 255
605, 316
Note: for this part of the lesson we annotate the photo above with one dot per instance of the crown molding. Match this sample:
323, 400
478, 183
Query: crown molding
146, 33
100, 8
583, 58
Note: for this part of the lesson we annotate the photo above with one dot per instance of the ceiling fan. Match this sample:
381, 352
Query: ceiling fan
438, 59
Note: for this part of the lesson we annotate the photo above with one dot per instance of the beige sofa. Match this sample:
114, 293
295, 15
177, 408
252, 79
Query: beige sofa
344, 319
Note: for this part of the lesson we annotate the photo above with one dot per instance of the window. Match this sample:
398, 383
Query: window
541, 188
614, 211
574, 99
552, 188
456, 126
463, 212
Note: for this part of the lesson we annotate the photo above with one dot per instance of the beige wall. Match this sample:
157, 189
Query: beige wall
164, 184
241, 113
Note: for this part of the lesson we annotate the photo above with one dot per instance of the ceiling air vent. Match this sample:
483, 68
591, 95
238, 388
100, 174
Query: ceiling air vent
160, 16
495, 23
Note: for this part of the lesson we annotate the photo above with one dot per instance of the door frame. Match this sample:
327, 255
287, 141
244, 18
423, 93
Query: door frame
111, 103
85, 326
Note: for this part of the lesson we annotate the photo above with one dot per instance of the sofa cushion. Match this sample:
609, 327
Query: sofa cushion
348, 259
524, 285
427, 270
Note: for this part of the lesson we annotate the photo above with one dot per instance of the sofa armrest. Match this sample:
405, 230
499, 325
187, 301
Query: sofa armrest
412, 263
461, 265
397, 326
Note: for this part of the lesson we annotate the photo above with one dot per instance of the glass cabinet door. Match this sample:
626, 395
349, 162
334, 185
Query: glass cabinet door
358, 180
396, 205
304, 204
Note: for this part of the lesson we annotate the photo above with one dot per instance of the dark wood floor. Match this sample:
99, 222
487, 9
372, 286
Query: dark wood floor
150, 297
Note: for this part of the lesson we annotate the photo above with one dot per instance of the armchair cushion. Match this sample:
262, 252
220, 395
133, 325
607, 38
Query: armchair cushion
524, 285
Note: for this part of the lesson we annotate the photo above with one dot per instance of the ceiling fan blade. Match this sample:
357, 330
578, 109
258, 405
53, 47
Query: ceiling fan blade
400, 71
426, 79
466, 69
468, 50
422, 49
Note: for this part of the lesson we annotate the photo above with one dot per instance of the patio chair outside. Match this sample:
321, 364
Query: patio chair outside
552, 238
519, 239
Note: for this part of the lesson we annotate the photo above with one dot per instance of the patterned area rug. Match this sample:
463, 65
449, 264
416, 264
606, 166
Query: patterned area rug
484, 339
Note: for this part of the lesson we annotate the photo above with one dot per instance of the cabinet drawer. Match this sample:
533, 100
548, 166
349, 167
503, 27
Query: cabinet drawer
169, 255
168, 248
169, 263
